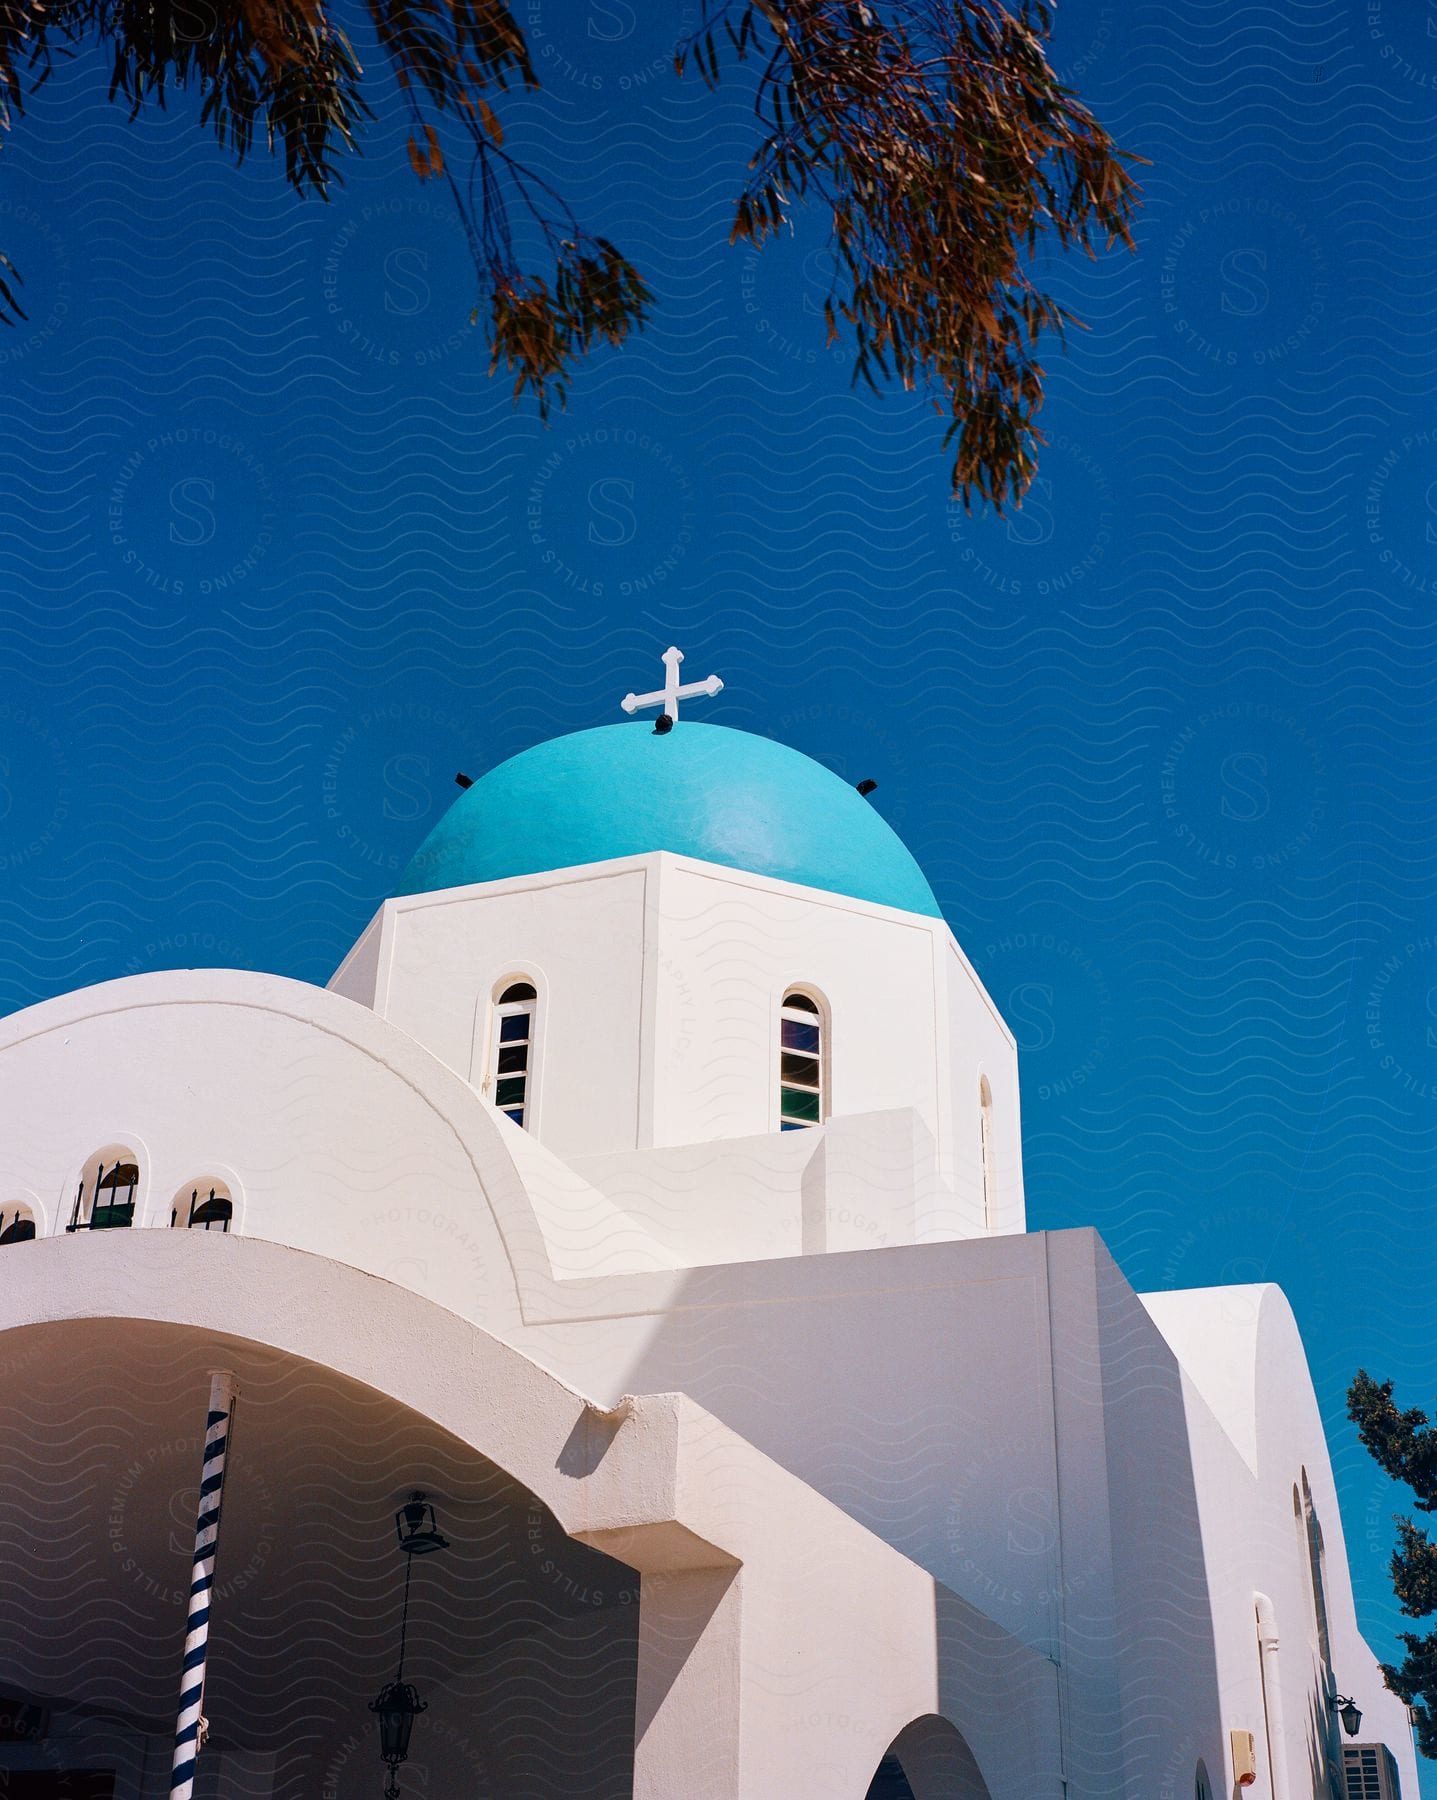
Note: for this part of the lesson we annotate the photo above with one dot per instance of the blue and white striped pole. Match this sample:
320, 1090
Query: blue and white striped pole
191, 1728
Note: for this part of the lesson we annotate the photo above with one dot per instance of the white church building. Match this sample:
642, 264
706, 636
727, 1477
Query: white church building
645, 1191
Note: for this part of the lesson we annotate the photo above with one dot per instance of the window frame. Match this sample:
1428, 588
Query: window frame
816, 1013
100, 1171
24, 1213
220, 1192
501, 1010
987, 1156
1313, 1547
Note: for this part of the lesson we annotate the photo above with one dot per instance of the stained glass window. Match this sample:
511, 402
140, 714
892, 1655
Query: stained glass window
800, 1062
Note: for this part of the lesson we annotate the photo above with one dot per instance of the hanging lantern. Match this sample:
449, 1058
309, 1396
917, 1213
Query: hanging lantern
398, 1703
397, 1706
418, 1528
1349, 1712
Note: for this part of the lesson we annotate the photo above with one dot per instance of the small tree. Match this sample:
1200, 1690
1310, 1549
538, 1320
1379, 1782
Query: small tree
1405, 1446
934, 134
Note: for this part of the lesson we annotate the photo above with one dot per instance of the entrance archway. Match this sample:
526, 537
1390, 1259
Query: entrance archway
522, 1641
928, 1760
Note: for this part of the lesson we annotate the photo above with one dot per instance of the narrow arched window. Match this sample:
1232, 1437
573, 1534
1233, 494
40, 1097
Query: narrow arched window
204, 1205
1311, 1530
105, 1198
17, 1224
985, 1148
802, 1056
512, 1050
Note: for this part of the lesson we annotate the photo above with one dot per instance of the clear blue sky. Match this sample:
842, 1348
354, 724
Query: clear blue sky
277, 558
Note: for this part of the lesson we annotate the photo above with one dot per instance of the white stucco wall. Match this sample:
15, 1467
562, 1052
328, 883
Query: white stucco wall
859, 1182
974, 1051
660, 981
1007, 1414
580, 938
729, 947
782, 1646
1001, 1412
334, 1133
1249, 1382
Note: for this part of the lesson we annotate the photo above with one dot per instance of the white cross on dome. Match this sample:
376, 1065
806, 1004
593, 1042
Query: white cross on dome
668, 696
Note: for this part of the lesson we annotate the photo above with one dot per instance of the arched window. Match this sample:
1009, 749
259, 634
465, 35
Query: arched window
985, 1148
1202, 1786
17, 1224
105, 1198
802, 1055
512, 1048
1310, 1534
204, 1205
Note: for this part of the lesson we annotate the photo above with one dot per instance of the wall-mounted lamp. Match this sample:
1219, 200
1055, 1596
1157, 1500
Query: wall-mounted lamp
1349, 1712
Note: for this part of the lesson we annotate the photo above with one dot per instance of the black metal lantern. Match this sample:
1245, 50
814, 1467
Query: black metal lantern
1349, 1712
417, 1527
397, 1707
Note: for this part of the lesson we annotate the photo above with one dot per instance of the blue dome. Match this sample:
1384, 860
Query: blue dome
700, 790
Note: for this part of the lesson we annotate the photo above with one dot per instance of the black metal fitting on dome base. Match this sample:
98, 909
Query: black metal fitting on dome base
463, 780
867, 787
663, 725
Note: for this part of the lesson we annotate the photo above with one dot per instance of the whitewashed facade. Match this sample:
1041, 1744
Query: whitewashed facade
774, 1462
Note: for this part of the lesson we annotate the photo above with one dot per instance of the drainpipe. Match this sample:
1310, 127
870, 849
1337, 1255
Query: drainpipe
1272, 1696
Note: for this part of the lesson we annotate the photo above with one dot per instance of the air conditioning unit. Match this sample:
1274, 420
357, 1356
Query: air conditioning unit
1370, 1771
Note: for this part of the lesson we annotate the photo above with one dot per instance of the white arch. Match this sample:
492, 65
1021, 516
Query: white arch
482, 1391
733, 1568
33, 1040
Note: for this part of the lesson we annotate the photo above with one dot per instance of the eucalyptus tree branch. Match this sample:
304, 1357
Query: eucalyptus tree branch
944, 147
934, 132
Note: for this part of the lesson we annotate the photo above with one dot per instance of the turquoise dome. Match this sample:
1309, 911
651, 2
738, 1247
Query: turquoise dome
700, 790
